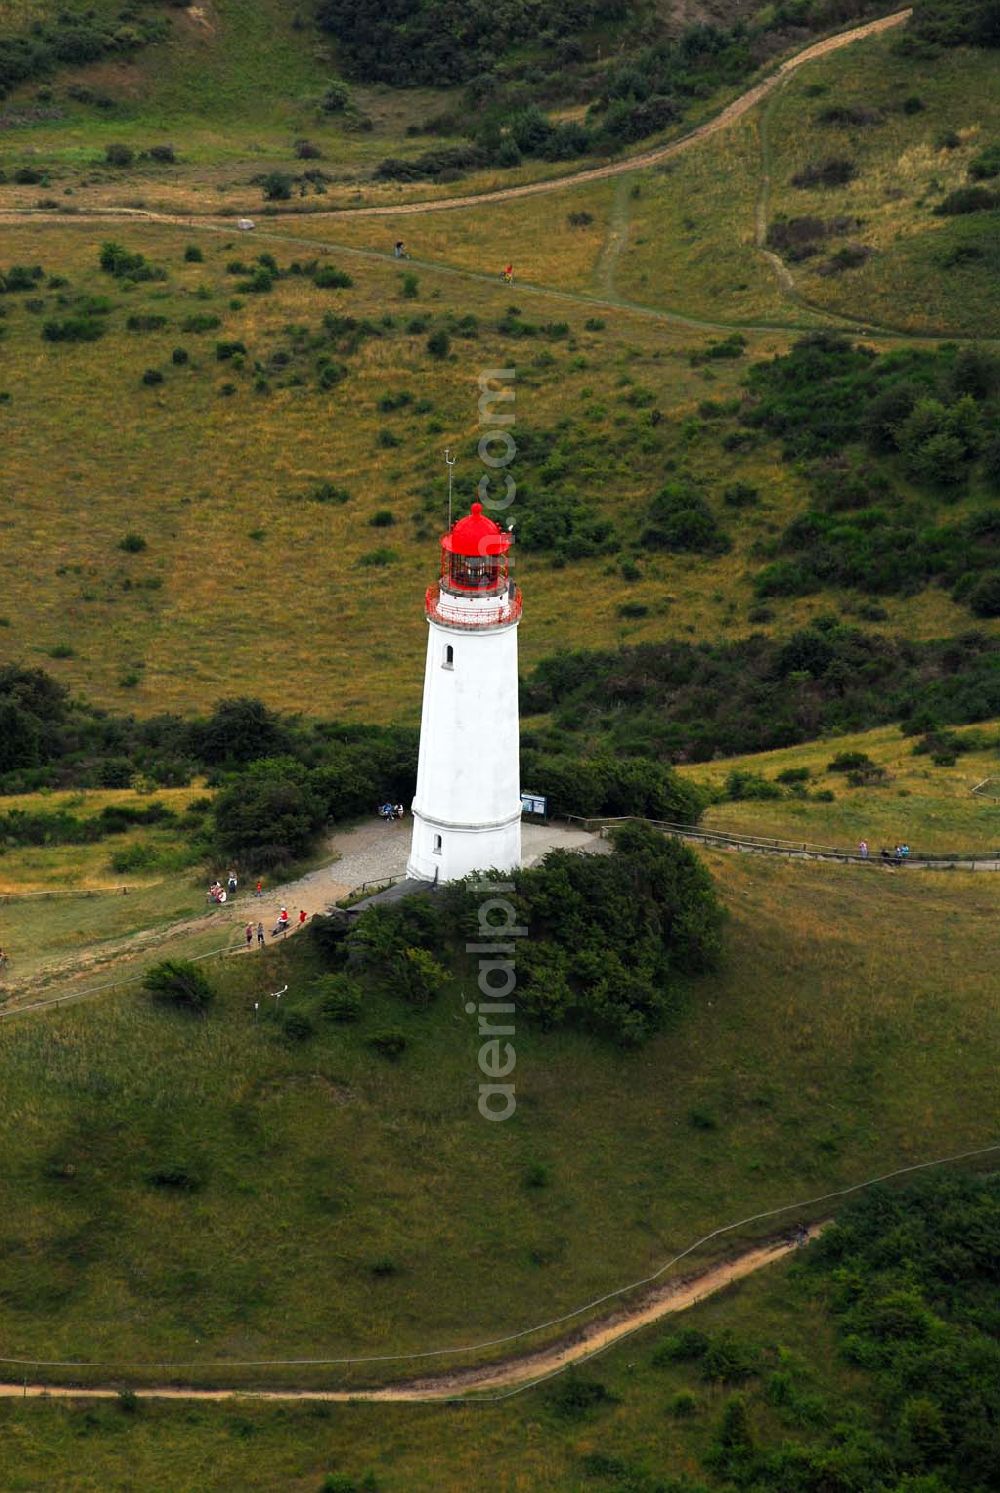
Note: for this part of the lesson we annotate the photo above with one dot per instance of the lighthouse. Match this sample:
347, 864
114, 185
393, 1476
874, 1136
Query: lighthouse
467, 807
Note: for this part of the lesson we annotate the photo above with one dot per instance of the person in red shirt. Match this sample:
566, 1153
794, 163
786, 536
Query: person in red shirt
302, 916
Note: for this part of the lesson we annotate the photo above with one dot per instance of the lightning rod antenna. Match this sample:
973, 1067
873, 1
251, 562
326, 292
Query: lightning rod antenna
449, 463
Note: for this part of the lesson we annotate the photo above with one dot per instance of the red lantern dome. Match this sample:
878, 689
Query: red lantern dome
474, 555
476, 535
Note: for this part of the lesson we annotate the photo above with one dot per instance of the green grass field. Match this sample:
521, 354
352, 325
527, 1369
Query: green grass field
323, 1174
932, 808
518, 1445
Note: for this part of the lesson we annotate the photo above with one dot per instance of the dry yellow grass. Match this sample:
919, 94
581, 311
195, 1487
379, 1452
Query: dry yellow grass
933, 808
291, 615
903, 172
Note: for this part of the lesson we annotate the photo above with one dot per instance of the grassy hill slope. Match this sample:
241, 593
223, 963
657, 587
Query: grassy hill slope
319, 1173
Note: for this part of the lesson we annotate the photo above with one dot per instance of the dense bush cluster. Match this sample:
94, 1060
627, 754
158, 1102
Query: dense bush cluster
59, 827
123, 265
911, 1280
612, 936
880, 551
828, 393
953, 23
862, 420
431, 42
690, 702
72, 39
680, 519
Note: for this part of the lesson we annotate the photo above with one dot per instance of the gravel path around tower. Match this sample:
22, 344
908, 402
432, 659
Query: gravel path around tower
375, 851
368, 852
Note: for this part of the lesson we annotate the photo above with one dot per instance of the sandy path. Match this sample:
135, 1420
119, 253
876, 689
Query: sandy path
720, 121
509, 1374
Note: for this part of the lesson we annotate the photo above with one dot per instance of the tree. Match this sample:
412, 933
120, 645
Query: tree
439, 344
239, 730
277, 186
181, 984
269, 814
119, 155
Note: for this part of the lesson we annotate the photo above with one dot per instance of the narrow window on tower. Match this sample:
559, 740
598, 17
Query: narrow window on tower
448, 662
437, 844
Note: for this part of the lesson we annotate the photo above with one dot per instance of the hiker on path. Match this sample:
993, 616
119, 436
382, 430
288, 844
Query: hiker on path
231, 882
302, 916
248, 933
260, 935
863, 849
508, 274
260, 889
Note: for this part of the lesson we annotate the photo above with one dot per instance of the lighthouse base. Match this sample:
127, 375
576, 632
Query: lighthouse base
446, 852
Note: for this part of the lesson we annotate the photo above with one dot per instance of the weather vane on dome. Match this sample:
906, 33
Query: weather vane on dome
449, 461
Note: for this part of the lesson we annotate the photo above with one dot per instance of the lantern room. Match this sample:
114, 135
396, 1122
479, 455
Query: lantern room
475, 556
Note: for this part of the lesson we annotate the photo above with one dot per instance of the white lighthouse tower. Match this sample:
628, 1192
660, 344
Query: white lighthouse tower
467, 807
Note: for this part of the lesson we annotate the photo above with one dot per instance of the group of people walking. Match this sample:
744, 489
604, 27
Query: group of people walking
887, 857
389, 811
282, 925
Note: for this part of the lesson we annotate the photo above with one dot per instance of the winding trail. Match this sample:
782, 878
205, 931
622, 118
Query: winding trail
509, 1374
721, 121
278, 226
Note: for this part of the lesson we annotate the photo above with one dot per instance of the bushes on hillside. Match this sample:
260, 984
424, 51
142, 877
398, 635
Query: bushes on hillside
834, 171
610, 786
690, 702
953, 23
681, 520
611, 936
118, 261
270, 814
181, 984
73, 40
967, 200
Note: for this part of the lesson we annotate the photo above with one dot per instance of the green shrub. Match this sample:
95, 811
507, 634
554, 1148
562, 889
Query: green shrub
575, 1397
132, 544
181, 984
834, 171
203, 321
388, 1044
742, 785
277, 186
327, 277
439, 344
340, 999
687, 1346
680, 519
179, 356
986, 165
984, 596
382, 518
119, 155
152, 376
73, 329
967, 200
297, 1026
